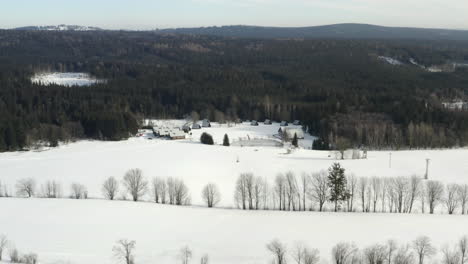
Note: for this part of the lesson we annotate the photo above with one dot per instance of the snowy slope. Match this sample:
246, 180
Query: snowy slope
84, 231
90, 162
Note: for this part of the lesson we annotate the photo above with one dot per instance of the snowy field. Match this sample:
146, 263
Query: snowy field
91, 162
84, 231
65, 79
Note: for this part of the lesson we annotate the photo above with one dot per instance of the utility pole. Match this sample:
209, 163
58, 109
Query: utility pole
426, 176
390, 160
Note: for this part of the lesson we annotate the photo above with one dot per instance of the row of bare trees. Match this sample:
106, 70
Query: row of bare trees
363, 194
419, 251
13, 253
124, 252
50, 189
134, 184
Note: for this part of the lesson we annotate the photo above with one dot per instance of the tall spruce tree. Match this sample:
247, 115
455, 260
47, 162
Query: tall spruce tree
226, 141
337, 185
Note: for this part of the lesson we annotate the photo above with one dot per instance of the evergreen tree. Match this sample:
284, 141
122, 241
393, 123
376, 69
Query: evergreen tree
226, 141
295, 141
206, 139
337, 185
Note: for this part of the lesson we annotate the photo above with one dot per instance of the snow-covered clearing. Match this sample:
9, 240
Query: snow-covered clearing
65, 79
91, 162
84, 231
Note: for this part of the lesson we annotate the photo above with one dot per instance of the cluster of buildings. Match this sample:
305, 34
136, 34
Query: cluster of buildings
456, 105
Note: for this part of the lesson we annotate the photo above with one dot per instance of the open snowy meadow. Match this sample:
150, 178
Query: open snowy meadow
84, 231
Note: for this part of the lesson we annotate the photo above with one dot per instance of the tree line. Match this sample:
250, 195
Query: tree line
334, 190
339, 89
331, 190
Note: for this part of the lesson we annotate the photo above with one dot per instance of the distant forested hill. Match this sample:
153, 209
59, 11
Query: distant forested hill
338, 31
340, 89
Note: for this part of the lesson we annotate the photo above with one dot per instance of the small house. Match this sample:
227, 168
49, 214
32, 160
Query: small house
254, 123
206, 123
175, 134
297, 123
267, 122
196, 126
284, 123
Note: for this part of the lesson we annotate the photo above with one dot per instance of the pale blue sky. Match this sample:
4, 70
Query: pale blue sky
150, 14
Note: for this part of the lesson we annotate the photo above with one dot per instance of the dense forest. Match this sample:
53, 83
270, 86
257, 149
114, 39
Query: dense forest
339, 89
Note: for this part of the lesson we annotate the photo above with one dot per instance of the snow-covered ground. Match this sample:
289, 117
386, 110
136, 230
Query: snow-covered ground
65, 79
91, 162
84, 231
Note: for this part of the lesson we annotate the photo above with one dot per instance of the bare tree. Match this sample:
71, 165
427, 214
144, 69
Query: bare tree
181, 192
352, 184
3, 245
311, 256
280, 191
241, 193
211, 195
159, 190
391, 247
171, 190
258, 192
434, 194
363, 192
463, 197
304, 189
292, 190
123, 251
423, 248
278, 250
376, 184
403, 256
185, 255
319, 188
401, 189
204, 260
51, 189
375, 254
26, 187
14, 254
110, 188
413, 192
463, 249
343, 253
30, 258
450, 256
303, 255
135, 183
79, 191
451, 199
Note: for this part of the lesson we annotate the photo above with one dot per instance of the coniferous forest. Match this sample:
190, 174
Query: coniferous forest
340, 89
